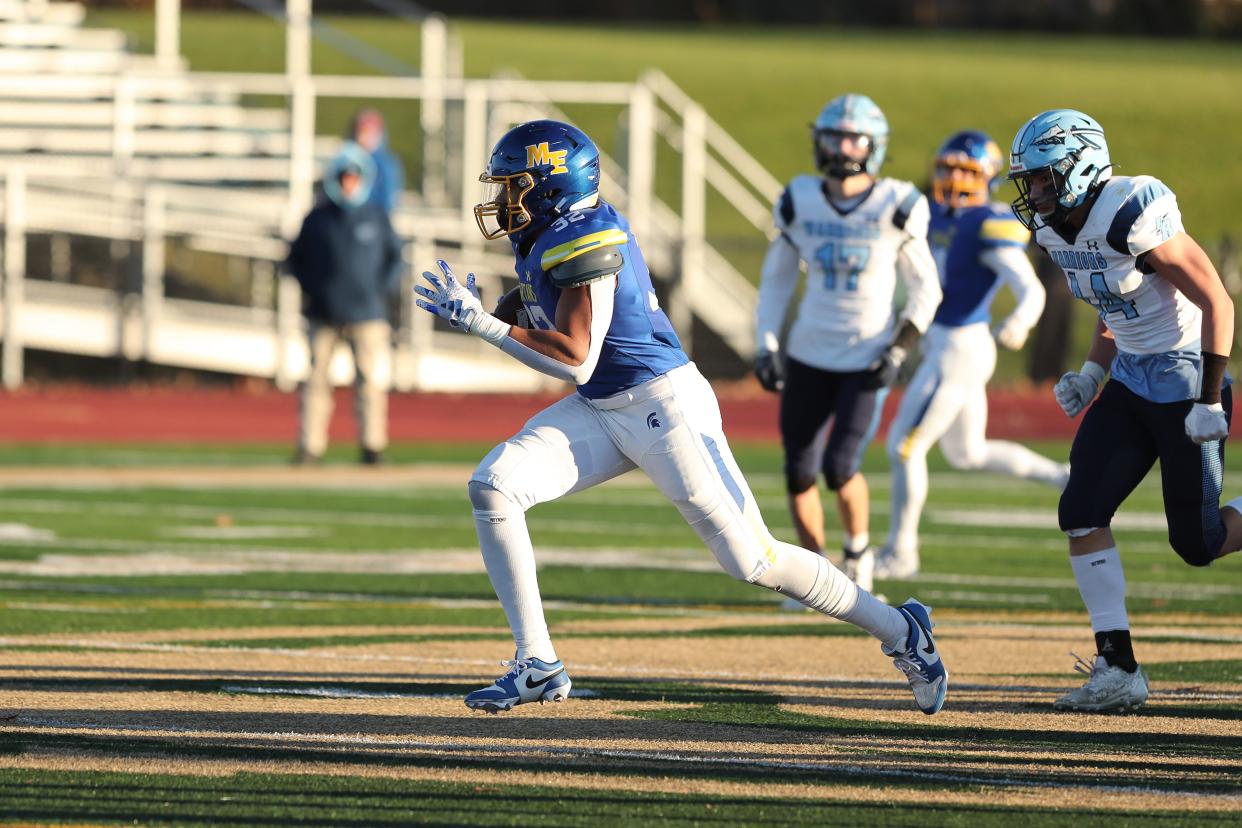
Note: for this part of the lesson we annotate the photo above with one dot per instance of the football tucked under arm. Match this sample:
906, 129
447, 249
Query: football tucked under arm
601, 305
510, 310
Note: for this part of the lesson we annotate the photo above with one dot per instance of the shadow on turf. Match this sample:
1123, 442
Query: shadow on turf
583, 757
1026, 698
318, 800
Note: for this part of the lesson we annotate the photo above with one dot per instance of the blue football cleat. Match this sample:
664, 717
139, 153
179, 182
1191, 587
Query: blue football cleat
919, 659
527, 680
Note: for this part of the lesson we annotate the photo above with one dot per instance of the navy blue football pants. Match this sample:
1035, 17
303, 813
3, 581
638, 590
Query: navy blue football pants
1120, 438
810, 399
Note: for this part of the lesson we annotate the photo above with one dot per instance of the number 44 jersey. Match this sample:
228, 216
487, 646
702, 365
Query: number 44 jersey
1157, 329
852, 255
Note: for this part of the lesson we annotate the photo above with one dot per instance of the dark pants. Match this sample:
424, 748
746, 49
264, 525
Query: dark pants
812, 397
1120, 438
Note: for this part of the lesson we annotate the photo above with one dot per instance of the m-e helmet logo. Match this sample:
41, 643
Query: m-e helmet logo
538, 155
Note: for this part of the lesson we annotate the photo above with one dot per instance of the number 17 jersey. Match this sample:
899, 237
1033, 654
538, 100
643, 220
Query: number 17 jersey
846, 316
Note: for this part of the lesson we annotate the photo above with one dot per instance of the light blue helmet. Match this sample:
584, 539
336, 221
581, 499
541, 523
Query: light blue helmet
855, 115
1071, 146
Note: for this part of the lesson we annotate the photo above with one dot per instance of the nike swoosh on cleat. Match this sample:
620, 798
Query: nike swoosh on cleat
531, 685
930, 649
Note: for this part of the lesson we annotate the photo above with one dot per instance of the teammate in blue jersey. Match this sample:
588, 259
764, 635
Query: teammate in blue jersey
1165, 331
594, 321
978, 246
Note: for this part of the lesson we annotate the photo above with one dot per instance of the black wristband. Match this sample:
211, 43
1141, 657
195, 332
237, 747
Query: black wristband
1213, 375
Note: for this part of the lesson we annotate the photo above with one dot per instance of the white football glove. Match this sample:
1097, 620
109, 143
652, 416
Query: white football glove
1075, 390
1012, 334
1206, 422
459, 304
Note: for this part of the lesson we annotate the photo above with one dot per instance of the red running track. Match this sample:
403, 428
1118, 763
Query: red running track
78, 414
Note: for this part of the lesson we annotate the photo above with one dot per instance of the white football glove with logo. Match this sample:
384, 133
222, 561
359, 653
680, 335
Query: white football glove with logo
459, 304
1012, 334
1075, 390
1206, 422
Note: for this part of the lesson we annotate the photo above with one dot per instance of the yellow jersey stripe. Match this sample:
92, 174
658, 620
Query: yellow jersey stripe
1004, 230
564, 252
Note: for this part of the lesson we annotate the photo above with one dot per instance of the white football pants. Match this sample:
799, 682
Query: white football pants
669, 427
946, 401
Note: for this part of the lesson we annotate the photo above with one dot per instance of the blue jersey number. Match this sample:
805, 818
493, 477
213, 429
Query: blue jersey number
842, 262
1108, 302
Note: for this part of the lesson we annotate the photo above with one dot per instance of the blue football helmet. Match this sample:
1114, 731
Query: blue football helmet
1068, 145
850, 116
967, 169
538, 170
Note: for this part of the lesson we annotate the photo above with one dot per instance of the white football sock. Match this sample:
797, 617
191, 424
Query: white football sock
510, 561
1102, 585
909, 481
1018, 460
856, 543
814, 581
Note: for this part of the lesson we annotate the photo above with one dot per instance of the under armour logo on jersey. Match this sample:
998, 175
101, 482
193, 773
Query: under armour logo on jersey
653, 421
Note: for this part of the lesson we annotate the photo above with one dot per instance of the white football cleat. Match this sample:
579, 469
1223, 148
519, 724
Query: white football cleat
1107, 688
892, 565
861, 570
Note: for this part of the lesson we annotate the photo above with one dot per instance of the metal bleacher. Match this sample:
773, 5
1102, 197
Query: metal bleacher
98, 143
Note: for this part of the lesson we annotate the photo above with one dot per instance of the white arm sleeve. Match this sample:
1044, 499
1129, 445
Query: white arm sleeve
917, 269
1011, 264
601, 319
777, 281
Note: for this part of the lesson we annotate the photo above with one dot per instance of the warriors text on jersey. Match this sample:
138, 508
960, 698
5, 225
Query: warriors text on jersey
1156, 328
846, 316
640, 344
958, 238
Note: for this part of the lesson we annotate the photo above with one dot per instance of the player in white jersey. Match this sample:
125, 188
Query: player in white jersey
640, 403
855, 232
1165, 331
978, 246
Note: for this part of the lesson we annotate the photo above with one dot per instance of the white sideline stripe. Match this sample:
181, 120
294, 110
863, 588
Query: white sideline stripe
1039, 519
315, 515
231, 561
986, 518
1185, 592
328, 693
842, 768
153, 558
989, 542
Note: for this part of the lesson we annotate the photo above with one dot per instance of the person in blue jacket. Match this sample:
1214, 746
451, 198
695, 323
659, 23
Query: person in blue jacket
368, 130
592, 318
347, 260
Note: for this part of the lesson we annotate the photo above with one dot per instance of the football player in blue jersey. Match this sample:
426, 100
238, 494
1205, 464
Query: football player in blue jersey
1164, 333
978, 246
640, 403
856, 232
